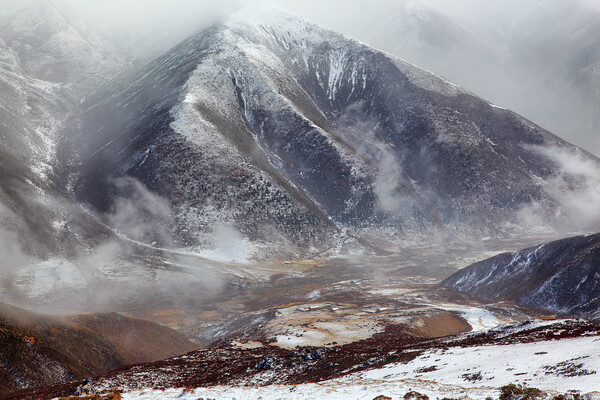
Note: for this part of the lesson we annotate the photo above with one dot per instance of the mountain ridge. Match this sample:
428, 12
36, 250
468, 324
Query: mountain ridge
559, 276
298, 105
39, 350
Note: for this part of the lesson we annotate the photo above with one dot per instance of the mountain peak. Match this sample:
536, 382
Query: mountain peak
260, 13
264, 24
314, 133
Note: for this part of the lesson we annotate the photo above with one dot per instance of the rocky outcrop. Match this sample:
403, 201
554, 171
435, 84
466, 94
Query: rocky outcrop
561, 277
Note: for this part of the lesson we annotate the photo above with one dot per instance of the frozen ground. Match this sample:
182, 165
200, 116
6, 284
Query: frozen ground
472, 372
550, 365
332, 390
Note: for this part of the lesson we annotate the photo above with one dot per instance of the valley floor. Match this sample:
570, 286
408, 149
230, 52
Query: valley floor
351, 329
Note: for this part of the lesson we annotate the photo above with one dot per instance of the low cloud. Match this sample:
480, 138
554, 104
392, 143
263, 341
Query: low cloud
228, 244
360, 130
387, 188
575, 190
135, 263
140, 214
13, 258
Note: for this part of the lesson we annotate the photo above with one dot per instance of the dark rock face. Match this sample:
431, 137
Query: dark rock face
286, 130
561, 276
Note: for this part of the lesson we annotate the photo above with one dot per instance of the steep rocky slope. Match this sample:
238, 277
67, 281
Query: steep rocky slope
37, 350
504, 54
46, 67
288, 131
561, 276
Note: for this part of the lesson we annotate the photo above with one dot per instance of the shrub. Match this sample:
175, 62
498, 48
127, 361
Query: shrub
519, 392
415, 395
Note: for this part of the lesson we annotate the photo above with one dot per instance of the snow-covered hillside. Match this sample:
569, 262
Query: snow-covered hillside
560, 276
287, 131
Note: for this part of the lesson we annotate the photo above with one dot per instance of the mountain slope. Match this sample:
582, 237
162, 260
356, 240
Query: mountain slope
286, 130
46, 67
39, 350
50, 48
560, 276
32, 115
504, 54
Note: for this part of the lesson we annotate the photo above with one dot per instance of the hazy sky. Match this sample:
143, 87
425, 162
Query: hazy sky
184, 16
143, 14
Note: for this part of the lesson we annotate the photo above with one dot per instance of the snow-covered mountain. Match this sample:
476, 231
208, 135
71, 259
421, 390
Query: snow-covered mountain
46, 46
539, 59
46, 67
289, 132
267, 135
560, 276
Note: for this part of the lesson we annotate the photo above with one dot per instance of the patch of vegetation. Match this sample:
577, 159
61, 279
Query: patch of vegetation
519, 392
474, 377
413, 395
426, 369
568, 368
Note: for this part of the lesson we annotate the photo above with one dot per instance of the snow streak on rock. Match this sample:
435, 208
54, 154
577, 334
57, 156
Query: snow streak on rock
561, 277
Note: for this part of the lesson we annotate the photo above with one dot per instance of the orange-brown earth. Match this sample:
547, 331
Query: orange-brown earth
38, 350
318, 303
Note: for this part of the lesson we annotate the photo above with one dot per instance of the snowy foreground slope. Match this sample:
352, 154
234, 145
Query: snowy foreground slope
474, 372
289, 132
553, 356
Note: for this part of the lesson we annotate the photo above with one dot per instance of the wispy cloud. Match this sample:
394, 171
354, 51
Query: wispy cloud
575, 191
